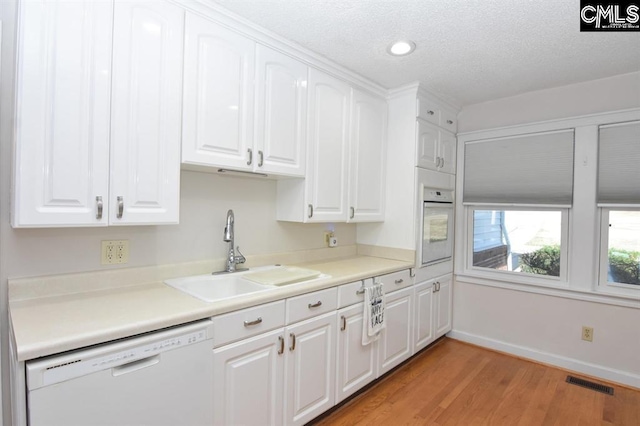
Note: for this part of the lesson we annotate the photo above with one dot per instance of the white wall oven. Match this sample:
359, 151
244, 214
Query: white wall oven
437, 226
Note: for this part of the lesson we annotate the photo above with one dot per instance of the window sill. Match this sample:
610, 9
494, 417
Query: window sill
559, 290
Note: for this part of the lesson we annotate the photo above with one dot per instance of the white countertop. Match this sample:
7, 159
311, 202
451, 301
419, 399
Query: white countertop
47, 325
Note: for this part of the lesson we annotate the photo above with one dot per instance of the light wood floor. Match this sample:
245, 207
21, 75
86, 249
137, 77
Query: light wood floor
453, 383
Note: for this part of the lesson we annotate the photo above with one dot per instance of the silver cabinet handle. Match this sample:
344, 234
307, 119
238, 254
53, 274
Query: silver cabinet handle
449, 121
435, 287
400, 281
310, 210
359, 292
260, 158
430, 112
293, 342
99, 207
254, 322
344, 323
250, 160
437, 162
315, 305
281, 341
353, 213
441, 162
120, 206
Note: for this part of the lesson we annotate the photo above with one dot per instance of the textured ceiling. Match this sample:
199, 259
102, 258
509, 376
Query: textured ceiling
467, 51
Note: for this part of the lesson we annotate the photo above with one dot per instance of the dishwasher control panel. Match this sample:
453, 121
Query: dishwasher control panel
111, 355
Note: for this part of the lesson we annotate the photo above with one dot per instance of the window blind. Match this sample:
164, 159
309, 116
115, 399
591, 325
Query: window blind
532, 169
619, 164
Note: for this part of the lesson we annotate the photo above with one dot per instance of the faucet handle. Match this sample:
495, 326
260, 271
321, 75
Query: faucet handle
239, 257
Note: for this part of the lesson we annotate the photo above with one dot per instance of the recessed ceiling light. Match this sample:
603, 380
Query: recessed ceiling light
401, 48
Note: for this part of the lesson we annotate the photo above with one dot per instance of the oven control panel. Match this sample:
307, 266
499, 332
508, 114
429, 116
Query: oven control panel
438, 196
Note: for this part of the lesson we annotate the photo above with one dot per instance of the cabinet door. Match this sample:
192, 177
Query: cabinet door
447, 152
423, 325
146, 113
368, 153
355, 363
394, 344
443, 302
310, 368
218, 96
326, 181
248, 380
281, 113
427, 145
62, 113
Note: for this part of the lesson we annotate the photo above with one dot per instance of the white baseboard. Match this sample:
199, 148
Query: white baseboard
578, 366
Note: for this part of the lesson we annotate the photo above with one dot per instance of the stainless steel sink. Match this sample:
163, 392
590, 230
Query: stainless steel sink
213, 288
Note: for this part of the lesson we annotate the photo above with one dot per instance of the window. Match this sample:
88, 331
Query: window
517, 192
620, 263
518, 241
619, 200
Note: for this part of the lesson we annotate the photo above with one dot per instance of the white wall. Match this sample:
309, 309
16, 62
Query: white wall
591, 97
545, 327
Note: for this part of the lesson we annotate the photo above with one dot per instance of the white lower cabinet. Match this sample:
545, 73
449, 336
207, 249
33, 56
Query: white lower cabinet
287, 362
423, 322
248, 379
394, 345
442, 302
432, 317
310, 369
356, 364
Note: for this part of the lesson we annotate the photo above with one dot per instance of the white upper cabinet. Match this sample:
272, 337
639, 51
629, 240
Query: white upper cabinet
98, 142
281, 113
146, 113
367, 158
218, 96
322, 196
62, 111
329, 101
436, 149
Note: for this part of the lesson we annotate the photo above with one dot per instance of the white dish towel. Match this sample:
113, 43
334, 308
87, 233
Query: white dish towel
374, 304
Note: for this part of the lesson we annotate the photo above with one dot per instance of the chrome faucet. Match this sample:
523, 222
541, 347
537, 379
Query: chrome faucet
233, 258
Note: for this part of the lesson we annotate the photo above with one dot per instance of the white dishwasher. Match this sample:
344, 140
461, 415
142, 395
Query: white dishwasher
161, 378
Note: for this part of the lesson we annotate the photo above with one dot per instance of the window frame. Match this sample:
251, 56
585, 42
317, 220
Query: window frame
513, 276
603, 283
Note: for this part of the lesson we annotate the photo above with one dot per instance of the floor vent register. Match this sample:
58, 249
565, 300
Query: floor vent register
590, 385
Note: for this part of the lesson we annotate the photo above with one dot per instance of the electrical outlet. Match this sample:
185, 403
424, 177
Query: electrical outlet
328, 235
115, 251
587, 333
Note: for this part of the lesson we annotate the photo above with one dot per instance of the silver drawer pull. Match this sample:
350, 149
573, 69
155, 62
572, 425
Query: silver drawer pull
344, 323
400, 281
250, 160
430, 112
281, 341
99, 207
260, 158
360, 292
449, 122
120, 206
315, 305
352, 214
254, 322
310, 211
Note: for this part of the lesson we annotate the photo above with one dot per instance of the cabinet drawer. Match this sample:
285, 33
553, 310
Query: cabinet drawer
247, 322
428, 111
449, 121
395, 281
309, 305
348, 294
